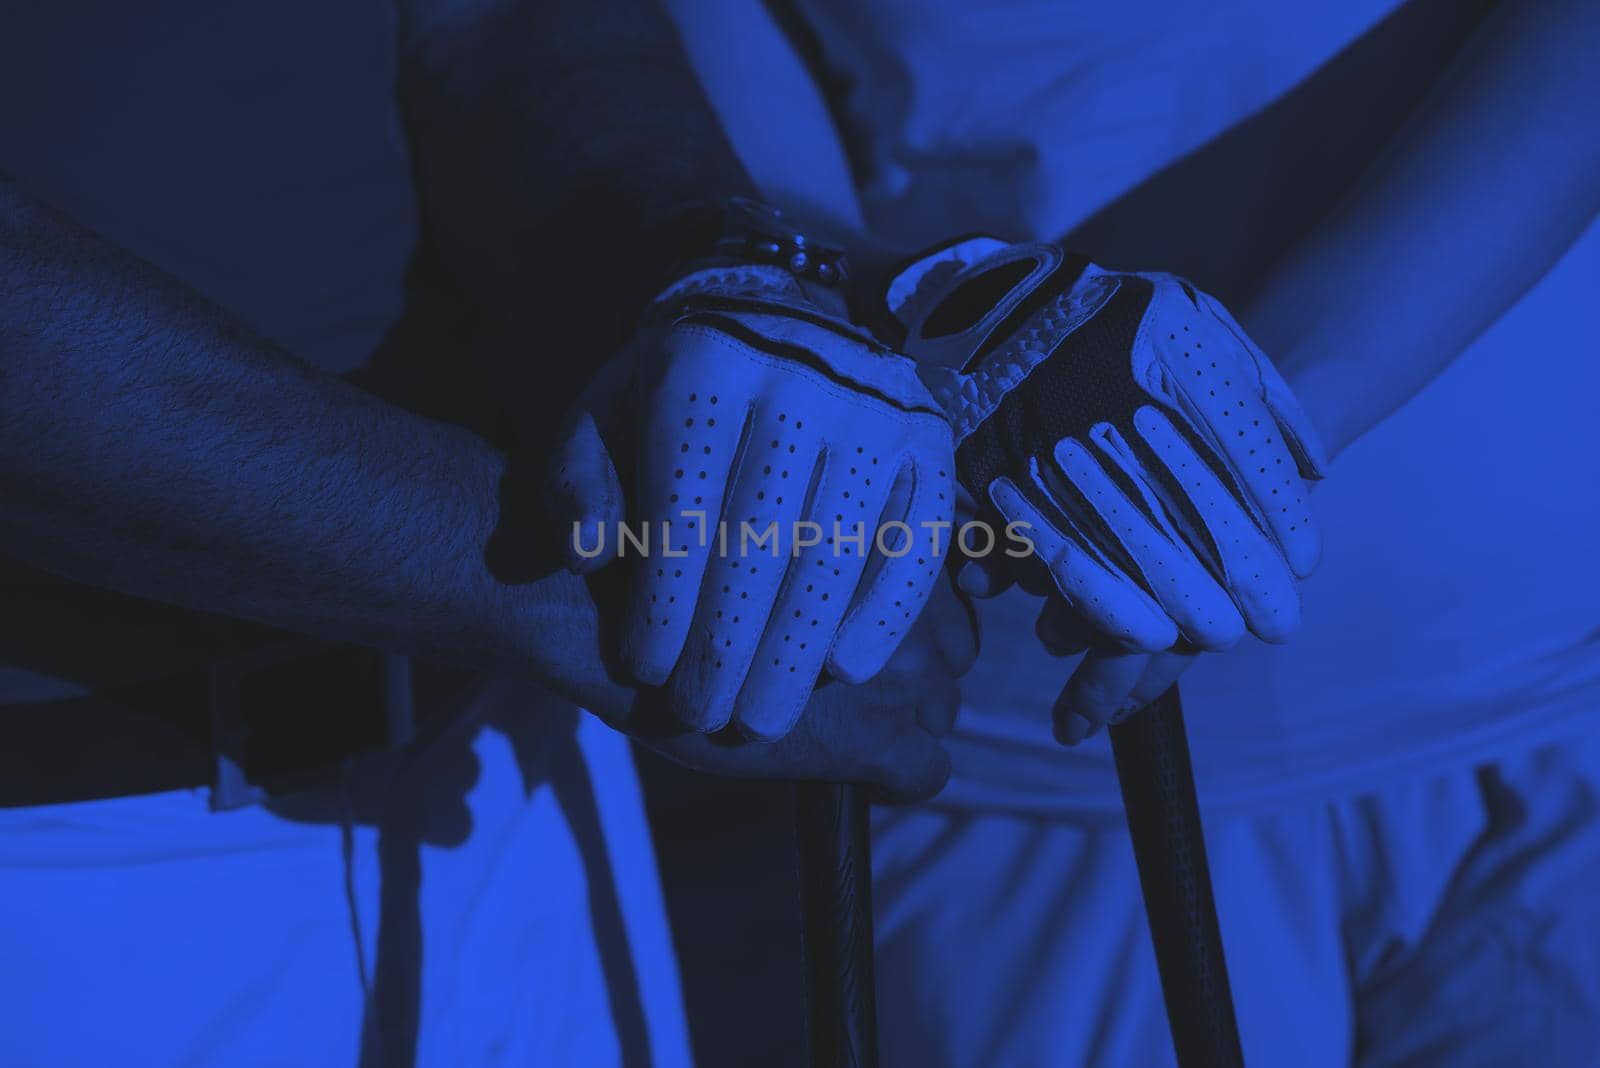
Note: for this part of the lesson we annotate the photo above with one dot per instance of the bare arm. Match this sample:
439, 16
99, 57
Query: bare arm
1485, 187
149, 444
1493, 177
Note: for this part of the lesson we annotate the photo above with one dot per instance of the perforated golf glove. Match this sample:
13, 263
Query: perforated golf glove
1156, 454
770, 443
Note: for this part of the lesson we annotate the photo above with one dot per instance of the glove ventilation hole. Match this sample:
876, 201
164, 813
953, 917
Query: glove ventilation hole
798, 621
717, 637
897, 543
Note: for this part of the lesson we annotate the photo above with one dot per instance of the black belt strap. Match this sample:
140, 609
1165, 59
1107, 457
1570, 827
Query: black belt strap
275, 719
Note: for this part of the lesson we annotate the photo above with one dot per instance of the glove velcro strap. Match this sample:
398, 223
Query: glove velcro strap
998, 423
1000, 368
1066, 398
957, 310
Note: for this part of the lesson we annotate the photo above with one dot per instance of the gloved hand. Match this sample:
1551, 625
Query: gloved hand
887, 732
1158, 458
742, 406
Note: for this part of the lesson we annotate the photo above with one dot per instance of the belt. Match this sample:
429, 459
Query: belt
274, 720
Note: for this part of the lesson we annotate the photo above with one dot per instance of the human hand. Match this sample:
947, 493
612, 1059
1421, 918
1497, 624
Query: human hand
1154, 453
1111, 682
885, 732
740, 409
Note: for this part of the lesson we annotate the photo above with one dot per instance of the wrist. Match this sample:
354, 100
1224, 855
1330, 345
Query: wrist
1307, 352
1323, 389
739, 245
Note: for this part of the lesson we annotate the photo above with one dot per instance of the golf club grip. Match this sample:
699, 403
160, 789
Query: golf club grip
836, 917
1152, 756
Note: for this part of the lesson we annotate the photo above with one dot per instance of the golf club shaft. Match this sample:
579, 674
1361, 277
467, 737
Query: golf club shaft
1152, 756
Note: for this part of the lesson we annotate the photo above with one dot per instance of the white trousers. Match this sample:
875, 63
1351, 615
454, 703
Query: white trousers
1451, 922
507, 914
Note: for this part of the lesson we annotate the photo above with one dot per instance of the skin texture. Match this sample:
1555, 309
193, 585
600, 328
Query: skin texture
151, 445
1427, 249
711, 430
1429, 239
556, 141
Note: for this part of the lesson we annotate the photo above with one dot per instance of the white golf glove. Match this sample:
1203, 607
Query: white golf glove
1157, 455
755, 423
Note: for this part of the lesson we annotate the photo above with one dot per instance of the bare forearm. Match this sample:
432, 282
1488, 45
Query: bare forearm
150, 445
1485, 187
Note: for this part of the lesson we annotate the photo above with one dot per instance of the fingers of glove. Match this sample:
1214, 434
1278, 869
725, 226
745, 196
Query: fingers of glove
1298, 430
1177, 579
1112, 602
817, 592
907, 555
1096, 693
840, 739
1206, 372
774, 693
584, 496
885, 732
736, 602
689, 446
1251, 566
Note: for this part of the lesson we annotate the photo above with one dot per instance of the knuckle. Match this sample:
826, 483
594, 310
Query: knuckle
913, 771
1095, 697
